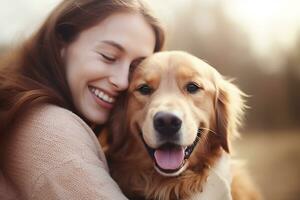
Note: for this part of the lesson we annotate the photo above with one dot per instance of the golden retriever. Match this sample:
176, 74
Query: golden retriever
176, 121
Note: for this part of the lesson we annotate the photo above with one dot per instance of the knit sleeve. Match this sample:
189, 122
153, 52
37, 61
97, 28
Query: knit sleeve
75, 179
53, 154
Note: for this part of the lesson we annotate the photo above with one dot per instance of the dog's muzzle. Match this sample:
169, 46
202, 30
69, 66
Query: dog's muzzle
170, 157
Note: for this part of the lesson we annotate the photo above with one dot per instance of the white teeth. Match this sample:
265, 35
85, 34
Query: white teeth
106, 98
103, 96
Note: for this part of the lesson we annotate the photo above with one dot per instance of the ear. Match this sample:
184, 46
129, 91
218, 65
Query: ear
229, 107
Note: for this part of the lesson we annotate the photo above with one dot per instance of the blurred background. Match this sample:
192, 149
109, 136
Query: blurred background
257, 42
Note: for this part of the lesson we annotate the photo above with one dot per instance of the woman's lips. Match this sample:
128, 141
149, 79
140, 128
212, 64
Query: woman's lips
102, 98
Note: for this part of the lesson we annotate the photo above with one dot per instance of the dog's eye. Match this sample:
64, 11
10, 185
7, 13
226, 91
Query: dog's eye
145, 89
192, 88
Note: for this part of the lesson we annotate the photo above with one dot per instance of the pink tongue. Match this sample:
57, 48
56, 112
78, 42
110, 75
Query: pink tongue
169, 158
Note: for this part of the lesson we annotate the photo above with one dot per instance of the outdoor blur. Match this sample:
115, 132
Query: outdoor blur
256, 42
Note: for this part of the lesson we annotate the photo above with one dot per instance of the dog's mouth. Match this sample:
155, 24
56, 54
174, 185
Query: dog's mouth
170, 159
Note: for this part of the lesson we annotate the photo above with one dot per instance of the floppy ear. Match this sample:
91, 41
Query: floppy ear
117, 125
229, 107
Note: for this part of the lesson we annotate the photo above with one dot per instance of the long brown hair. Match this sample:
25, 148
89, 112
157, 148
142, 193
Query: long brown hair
34, 73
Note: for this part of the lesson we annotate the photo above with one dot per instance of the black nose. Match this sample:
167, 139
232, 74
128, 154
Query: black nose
166, 124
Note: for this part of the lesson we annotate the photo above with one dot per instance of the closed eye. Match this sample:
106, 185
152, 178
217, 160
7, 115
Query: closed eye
107, 58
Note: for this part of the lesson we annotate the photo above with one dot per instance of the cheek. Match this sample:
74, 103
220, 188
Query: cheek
71, 80
75, 80
203, 110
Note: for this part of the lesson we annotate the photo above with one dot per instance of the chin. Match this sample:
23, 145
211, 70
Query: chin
98, 117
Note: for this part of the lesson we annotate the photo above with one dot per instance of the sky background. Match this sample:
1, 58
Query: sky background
268, 22
272, 27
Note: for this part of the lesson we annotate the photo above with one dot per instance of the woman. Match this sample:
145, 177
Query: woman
58, 86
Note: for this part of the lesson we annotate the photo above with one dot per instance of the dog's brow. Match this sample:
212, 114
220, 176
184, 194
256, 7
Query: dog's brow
187, 72
150, 76
152, 80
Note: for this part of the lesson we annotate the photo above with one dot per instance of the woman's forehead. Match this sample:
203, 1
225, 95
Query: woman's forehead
125, 31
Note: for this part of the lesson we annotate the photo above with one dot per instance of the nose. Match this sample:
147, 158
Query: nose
119, 78
166, 124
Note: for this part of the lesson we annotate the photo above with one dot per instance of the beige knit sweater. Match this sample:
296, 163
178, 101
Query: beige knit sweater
53, 154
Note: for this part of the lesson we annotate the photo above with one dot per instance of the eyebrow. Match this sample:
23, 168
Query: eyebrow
114, 44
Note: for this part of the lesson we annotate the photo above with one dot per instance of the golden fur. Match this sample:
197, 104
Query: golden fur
216, 107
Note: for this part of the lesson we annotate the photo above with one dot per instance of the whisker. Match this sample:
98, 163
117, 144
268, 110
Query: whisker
209, 130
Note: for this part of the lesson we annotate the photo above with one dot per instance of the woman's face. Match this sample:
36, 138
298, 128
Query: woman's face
98, 62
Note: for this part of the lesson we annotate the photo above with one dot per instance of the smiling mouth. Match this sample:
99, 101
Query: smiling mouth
171, 158
102, 95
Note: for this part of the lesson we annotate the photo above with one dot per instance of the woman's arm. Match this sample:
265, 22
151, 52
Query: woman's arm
53, 154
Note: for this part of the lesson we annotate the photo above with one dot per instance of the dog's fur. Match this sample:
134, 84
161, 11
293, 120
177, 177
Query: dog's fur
214, 108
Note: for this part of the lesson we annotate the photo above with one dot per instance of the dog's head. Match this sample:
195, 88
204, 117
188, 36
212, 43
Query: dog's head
177, 103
